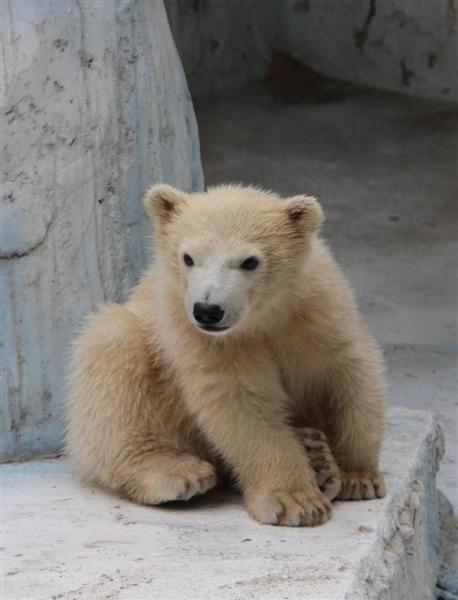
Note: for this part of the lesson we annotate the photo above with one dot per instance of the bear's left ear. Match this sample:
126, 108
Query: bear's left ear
304, 211
162, 202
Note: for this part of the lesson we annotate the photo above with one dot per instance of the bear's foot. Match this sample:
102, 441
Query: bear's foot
307, 507
365, 485
327, 471
169, 478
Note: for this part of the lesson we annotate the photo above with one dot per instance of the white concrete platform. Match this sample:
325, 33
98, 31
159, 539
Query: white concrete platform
64, 541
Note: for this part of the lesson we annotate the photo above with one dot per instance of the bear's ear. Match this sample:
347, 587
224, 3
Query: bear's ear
163, 201
304, 212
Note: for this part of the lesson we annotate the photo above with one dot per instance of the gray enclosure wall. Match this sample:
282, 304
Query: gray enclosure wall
408, 46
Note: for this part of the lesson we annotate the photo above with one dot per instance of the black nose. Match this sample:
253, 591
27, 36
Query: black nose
208, 314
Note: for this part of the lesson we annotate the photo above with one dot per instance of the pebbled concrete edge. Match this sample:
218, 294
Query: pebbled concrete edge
405, 558
447, 579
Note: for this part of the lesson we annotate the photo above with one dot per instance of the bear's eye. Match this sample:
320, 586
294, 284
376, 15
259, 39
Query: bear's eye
188, 260
249, 264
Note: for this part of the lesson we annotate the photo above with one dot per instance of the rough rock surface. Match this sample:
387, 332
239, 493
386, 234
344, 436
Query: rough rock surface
410, 47
96, 109
65, 541
223, 44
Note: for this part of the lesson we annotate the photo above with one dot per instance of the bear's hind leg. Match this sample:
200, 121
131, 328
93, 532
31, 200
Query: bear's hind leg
127, 430
332, 481
354, 424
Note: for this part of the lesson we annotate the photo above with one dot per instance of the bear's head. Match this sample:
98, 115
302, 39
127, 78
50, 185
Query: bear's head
232, 254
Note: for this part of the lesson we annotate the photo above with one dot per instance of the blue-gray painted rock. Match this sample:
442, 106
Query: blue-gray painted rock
96, 110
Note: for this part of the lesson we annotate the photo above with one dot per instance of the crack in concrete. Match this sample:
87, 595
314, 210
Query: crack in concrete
406, 73
360, 35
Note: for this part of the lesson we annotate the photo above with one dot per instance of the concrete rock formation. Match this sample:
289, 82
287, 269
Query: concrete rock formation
409, 47
96, 109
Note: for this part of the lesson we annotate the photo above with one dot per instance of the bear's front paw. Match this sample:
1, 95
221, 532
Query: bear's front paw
363, 485
307, 507
327, 472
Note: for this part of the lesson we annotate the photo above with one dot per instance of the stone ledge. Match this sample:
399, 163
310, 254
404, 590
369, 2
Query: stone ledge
63, 541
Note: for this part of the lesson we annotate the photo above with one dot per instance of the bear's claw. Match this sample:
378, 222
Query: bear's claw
362, 486
300, 508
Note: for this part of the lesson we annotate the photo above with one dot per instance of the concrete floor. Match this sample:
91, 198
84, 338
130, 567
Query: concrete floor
385, 169
69, 542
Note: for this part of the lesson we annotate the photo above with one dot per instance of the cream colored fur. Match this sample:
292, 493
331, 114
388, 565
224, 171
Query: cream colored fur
156, 403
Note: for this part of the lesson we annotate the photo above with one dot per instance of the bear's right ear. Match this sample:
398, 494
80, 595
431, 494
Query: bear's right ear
304, 212
163, 201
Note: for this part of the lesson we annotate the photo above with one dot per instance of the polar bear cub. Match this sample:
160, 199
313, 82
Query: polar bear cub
241, 337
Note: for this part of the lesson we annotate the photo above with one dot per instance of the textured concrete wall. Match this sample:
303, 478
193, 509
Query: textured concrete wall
96, 109
409, 46
224, 43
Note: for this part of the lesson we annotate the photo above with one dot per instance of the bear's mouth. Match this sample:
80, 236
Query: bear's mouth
213, 328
